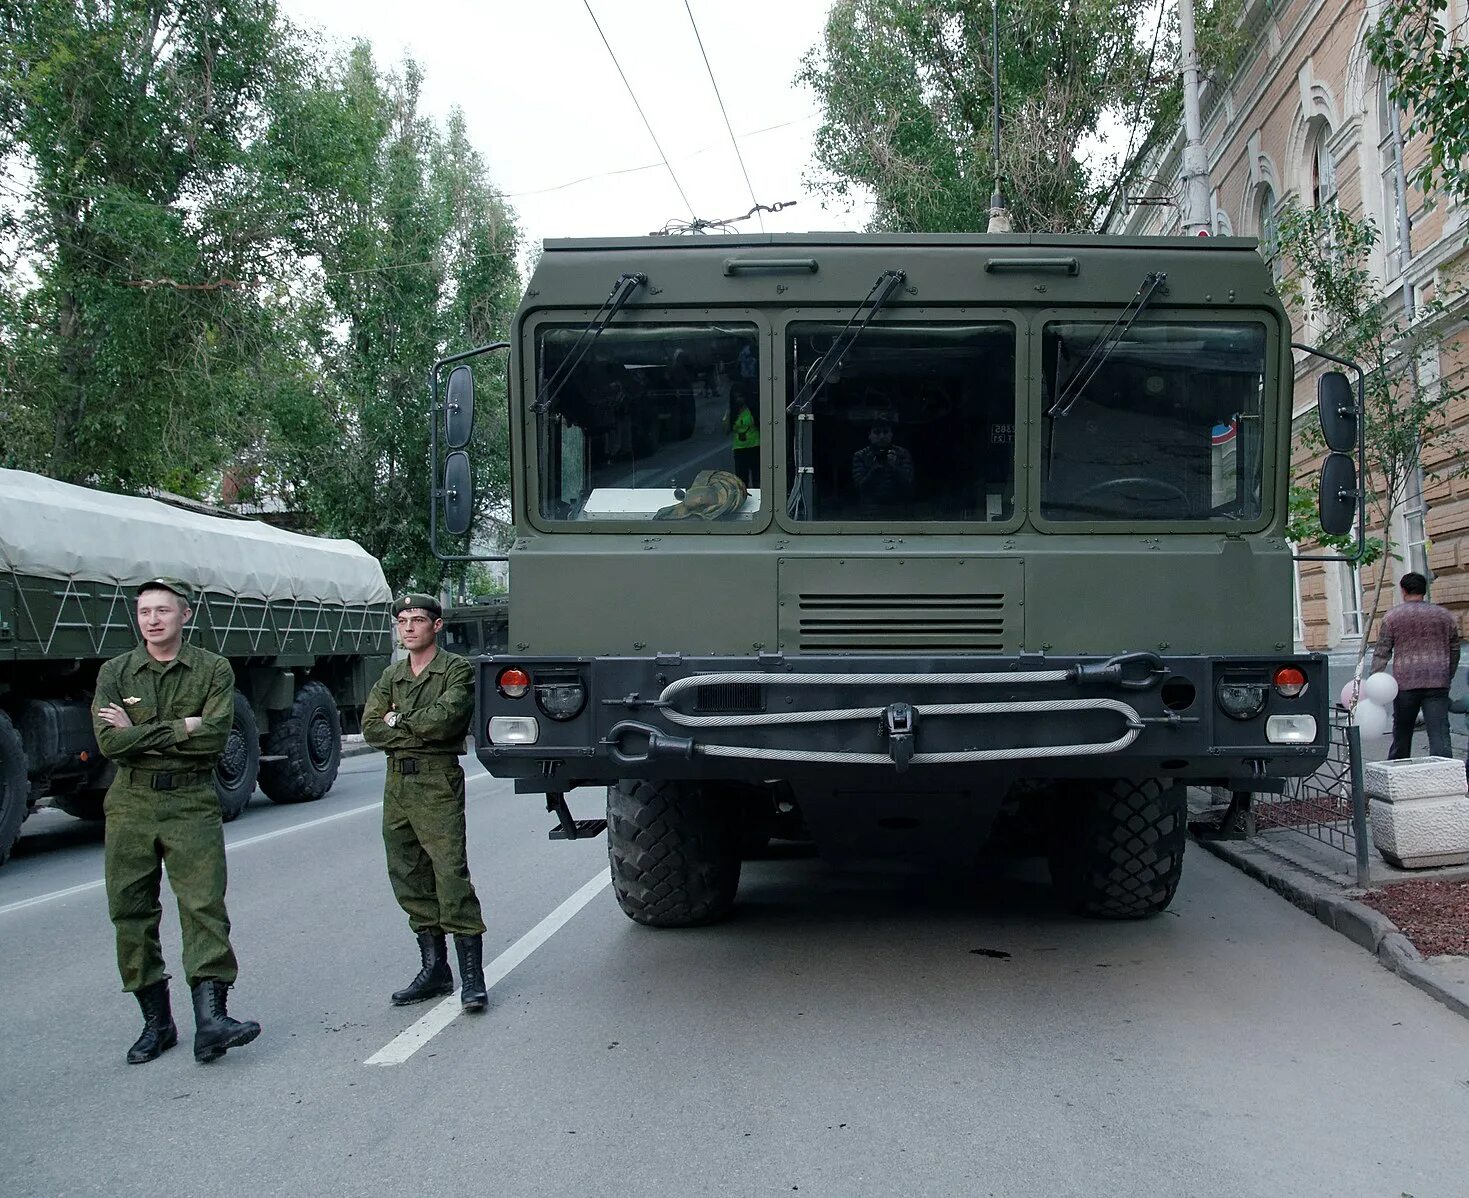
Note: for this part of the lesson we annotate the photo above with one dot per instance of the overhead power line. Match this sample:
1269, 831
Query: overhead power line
639, 107
722, 112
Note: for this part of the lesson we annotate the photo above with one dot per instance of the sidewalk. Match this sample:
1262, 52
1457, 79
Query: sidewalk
1322, 880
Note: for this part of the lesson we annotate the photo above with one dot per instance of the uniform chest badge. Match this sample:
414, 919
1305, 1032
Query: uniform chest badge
131, 699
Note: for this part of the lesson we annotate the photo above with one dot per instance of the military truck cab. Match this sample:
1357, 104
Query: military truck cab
1015, 538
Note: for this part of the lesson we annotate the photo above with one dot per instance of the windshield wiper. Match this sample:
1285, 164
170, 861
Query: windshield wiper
826, 366
1106, 343
621, 292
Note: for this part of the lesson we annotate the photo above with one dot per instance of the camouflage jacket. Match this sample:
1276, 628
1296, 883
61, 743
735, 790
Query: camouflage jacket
434, 708
158, 695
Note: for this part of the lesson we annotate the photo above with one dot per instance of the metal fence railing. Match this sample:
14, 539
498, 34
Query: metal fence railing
1328, 806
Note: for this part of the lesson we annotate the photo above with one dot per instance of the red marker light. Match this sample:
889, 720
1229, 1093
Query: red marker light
1289, 682
513, 682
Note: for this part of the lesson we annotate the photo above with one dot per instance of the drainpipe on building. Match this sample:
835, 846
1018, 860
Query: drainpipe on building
1198, 214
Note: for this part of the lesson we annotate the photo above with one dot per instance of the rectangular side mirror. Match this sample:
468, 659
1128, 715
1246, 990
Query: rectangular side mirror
1336, 408
459, 407
458, 493
1337, 501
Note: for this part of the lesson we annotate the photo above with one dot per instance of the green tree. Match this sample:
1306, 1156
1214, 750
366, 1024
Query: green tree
131, 326
906, 86
416, 258
1428, 64
1407, 409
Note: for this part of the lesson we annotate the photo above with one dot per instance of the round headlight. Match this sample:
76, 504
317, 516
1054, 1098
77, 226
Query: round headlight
1242, 700
561, 700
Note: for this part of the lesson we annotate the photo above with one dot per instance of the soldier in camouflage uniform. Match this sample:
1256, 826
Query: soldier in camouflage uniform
163, 713
419, 712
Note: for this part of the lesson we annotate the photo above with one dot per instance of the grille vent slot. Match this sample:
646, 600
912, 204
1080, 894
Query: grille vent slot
914, 623
729, 698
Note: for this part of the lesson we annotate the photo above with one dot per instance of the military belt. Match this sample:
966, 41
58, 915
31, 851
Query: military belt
161, 781
416, 765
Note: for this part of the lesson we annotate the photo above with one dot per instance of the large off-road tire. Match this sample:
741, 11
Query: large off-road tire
674, 851
239, 766
1117, 847
309, 739
15, 786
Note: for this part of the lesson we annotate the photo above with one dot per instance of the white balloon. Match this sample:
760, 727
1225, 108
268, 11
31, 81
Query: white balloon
1351, 692
1381, 689
1370, 718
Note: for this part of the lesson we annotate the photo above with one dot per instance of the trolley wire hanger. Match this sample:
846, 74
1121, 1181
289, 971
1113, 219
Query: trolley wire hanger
726, 225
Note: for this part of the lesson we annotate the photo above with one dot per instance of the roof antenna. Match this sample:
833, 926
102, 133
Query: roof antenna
999, 213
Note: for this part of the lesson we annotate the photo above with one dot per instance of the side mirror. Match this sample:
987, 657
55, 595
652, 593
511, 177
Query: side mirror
459, 407
1338, 495
459, 493
1336, 408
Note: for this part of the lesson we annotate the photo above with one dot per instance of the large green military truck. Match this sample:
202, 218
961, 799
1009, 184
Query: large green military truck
303, 620
1014, 563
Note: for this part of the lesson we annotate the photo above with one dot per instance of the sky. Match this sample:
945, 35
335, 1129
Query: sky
545, 105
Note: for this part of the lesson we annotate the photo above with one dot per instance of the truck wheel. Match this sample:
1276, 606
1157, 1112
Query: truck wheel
15, 786
234, 776
1117, 851
674, 850
310, 740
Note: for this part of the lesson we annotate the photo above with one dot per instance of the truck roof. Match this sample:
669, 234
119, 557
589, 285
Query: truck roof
51, 529
791, 270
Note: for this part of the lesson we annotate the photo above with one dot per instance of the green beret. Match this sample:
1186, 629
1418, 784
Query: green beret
414, 599
181, 589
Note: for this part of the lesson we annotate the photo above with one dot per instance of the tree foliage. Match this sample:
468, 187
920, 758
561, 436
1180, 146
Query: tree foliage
906, 88
1428, 64
228, 249
1407, 407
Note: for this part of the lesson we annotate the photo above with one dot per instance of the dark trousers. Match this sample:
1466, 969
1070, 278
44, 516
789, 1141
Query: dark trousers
1434, 703
747, 465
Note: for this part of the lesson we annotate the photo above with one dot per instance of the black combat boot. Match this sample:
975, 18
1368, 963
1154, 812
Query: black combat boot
434, 978
214, 1031
159, 1032
472, 994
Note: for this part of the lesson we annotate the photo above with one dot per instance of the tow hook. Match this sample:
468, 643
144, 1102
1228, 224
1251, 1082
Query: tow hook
656, 743
1123, 671
899, 725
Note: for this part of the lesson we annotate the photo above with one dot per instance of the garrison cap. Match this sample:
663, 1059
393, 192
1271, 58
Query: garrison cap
181, 589
416, 599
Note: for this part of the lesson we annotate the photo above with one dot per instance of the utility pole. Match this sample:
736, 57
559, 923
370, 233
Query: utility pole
1198, 218
999, 213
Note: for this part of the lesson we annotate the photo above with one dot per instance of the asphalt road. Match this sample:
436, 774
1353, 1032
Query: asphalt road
840, 1036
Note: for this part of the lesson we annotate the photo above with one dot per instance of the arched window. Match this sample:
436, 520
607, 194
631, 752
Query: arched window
1392, 205
1269, 230
1323, 170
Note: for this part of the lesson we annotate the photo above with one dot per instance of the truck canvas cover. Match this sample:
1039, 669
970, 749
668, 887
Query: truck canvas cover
50, 529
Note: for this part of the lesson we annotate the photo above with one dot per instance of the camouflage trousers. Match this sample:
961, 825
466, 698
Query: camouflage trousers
149, 831
423, 832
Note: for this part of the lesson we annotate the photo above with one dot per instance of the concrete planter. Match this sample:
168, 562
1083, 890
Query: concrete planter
1420, 811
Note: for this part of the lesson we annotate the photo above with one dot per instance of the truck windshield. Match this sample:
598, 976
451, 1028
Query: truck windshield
919, 424
1166, 426
649, 410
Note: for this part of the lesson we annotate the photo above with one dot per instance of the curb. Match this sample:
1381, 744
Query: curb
1356, 921
355, 746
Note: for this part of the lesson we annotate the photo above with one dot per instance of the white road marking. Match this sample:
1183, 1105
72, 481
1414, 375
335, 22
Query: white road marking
231, 845
411, 1039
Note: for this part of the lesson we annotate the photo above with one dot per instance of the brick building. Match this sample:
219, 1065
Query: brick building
1306, 118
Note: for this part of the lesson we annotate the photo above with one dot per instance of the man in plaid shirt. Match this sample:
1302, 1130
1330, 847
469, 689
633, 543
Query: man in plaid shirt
1422, 639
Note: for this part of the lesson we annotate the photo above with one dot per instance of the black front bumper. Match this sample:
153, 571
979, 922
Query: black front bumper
840, 718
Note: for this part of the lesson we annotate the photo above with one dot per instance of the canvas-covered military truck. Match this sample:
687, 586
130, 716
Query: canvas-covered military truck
304, 621
1014, 565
